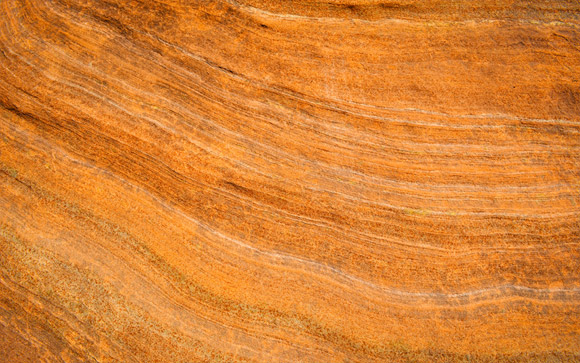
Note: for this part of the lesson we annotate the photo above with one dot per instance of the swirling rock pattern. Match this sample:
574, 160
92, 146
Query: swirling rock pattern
289, 181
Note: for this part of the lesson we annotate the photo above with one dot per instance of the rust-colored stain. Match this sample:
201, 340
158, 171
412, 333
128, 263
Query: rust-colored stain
289, 181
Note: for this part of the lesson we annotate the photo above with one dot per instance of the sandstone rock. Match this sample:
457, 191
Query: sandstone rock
289, 181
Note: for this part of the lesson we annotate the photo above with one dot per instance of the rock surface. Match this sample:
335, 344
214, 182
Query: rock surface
289, 181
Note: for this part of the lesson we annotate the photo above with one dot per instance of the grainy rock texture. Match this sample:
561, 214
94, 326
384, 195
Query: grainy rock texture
289, 181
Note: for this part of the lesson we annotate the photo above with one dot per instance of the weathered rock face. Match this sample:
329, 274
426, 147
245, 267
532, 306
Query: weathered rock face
289, 181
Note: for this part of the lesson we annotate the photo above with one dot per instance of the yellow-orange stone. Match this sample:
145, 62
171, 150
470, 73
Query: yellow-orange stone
289, 181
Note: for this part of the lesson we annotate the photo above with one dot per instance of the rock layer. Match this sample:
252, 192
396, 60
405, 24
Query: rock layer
270, 181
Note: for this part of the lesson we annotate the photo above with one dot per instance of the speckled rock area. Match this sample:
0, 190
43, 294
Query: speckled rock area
289, 181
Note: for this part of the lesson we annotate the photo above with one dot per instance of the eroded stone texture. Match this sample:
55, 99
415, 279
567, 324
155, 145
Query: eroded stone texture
289, 181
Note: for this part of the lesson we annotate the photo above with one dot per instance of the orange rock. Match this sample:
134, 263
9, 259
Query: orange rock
270, 181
